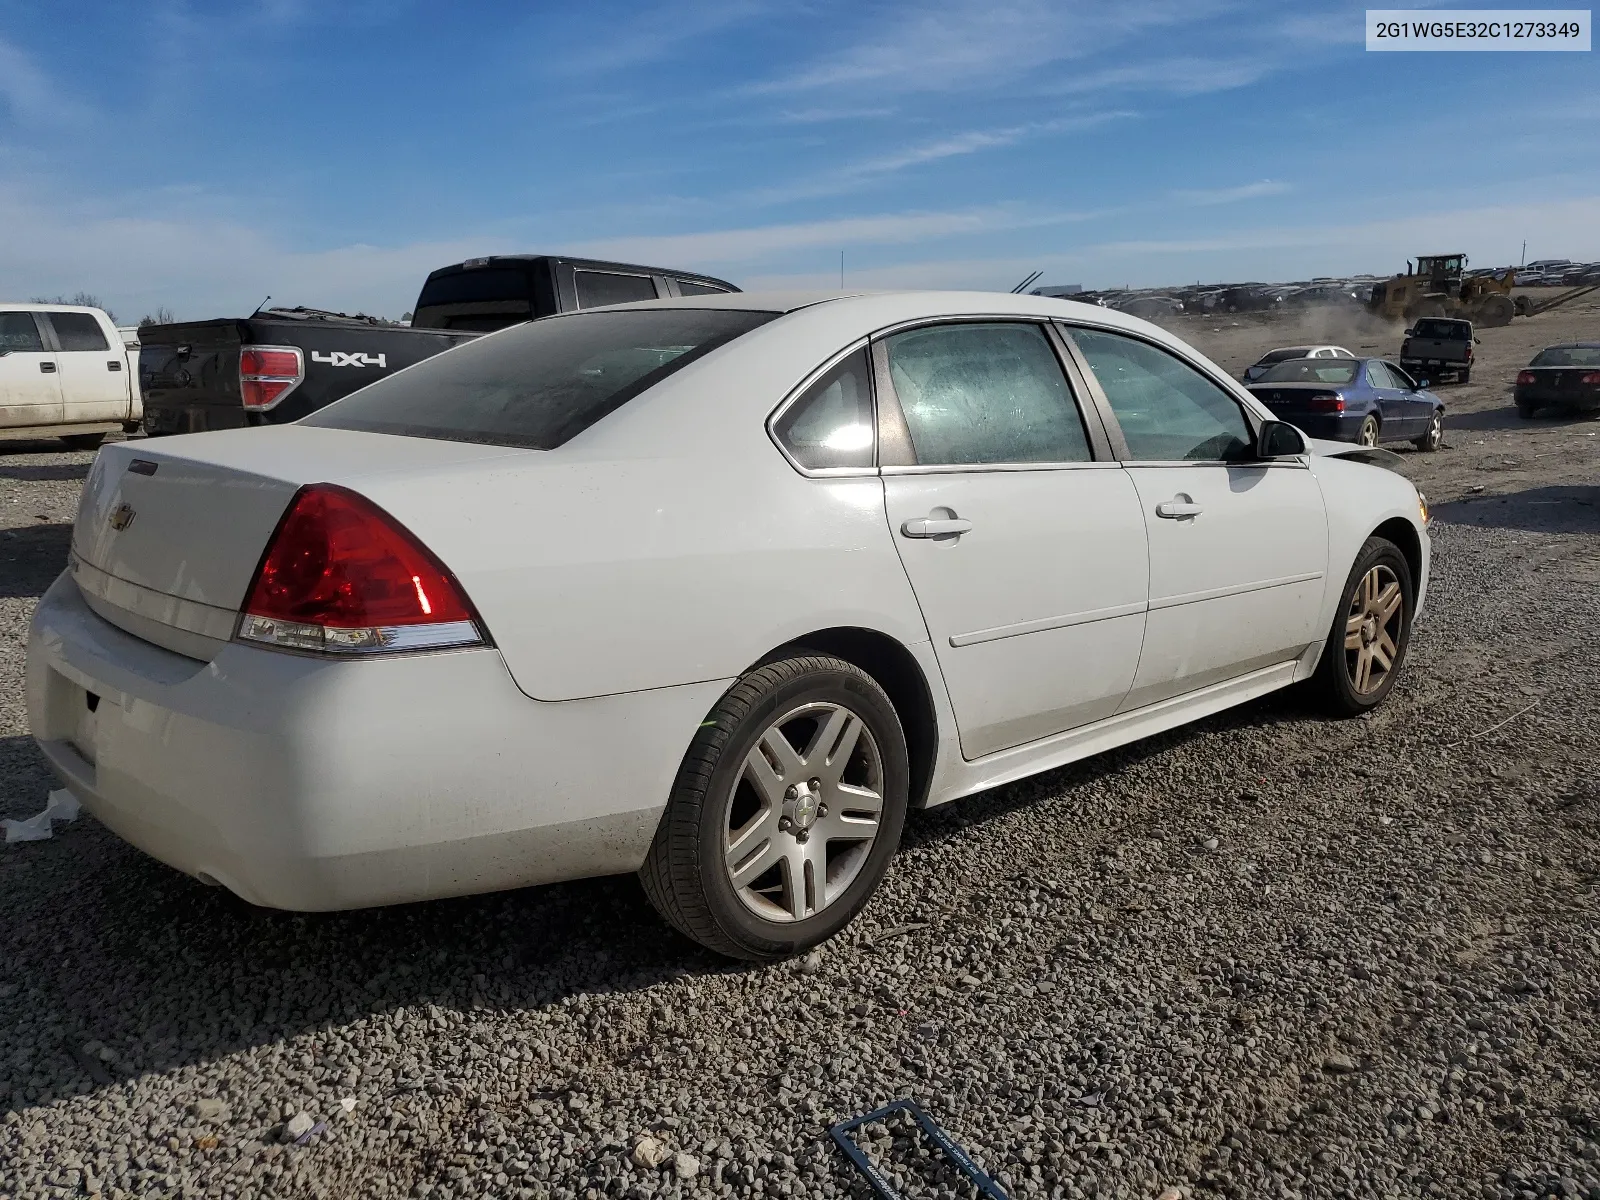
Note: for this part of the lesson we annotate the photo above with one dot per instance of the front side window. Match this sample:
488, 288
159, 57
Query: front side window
1168, 411
832, 424
18, 332
78, 331
985, 393
597, 288
541, 383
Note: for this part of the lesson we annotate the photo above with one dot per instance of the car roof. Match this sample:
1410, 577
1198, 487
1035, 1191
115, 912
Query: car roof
36, 306
570, 260
1572, 346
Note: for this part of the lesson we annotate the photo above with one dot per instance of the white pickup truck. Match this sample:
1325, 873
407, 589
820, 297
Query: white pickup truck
66, 371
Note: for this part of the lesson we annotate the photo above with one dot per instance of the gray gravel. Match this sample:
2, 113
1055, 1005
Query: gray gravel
1267, 956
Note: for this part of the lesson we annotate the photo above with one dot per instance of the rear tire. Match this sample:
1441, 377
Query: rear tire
744, 859
1464, 376
1371, 630
82, 441
1367, 435
1434, 438
1525, 411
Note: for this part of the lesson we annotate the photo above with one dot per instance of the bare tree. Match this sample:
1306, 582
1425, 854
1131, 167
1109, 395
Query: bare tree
162, 316
90, 300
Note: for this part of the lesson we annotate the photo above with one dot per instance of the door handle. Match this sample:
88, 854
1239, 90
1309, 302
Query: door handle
49, 368
1173, 509
930, 527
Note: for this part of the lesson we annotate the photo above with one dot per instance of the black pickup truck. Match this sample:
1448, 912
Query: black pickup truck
279, 364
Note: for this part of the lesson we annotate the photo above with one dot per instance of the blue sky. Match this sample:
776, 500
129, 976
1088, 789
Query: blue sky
200, 156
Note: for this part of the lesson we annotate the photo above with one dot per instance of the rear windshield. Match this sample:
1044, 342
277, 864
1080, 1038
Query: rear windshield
1446, 330
1568, 356
472, 287
1312, 370
1277, 356
539, 384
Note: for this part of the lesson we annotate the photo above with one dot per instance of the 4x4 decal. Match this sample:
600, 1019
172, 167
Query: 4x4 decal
340, 358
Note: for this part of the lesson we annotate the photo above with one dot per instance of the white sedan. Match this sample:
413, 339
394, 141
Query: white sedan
711, 589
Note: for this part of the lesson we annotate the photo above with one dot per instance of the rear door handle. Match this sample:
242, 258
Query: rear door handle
1173, 509
929, 527
49, 368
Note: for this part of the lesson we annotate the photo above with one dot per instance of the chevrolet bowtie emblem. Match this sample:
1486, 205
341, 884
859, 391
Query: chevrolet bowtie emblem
122, 516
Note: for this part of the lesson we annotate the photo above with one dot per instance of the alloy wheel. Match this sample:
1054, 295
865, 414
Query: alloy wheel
1373, 628
804, 812
1369, 433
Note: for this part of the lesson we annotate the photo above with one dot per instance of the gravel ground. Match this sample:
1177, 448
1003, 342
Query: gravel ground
1266, 956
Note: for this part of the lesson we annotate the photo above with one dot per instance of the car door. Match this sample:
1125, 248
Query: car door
30, 384
1418, 408
1024, 545
1238, 548
1394, 409
94, 378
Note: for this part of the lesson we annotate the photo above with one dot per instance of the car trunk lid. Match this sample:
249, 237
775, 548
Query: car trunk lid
169, 534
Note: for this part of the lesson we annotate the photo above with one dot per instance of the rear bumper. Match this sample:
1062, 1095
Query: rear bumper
1584, 399
306, 784
1448, 365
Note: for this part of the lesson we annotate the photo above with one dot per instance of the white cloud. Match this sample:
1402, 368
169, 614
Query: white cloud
1230, 195
32, 97
717, 247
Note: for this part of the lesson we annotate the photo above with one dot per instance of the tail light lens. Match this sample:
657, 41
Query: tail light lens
1591, 377
341, 576
1525, 377
1325, 402
269, 373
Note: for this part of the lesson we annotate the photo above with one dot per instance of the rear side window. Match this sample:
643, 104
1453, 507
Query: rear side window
596, 288
477, 286
688, 287
1168, 411
831, 425
78, 331
985, 393
539, 384
18, 332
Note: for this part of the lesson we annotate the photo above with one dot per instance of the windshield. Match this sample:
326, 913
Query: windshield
1568, 356
1446, 330
1312, 370
539, 384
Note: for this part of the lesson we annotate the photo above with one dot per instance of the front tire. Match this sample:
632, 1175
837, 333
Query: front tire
1371, 630
786, 811
1368, 433
1434, 438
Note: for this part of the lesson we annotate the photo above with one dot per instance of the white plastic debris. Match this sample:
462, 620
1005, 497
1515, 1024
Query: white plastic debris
62, 805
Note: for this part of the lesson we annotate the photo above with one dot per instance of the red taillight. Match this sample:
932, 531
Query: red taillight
341, 575
269, 373
1525, 377
1325, 402
1591, 377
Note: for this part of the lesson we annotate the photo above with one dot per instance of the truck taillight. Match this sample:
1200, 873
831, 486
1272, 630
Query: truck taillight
341, 576
1592, 378
269, 373
1525, 377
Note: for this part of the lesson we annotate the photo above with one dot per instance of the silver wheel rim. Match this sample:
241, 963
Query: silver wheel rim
1436, 430
1369, 433
804, 812
1372, 629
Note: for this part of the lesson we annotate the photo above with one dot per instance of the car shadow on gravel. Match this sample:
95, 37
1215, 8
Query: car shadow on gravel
120, 950
1558, 508
31, 557
44, 472
1496, 420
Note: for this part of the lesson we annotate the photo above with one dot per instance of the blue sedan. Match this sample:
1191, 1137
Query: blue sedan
1362, 400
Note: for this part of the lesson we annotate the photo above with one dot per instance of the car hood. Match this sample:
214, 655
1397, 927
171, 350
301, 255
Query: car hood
1375, 455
